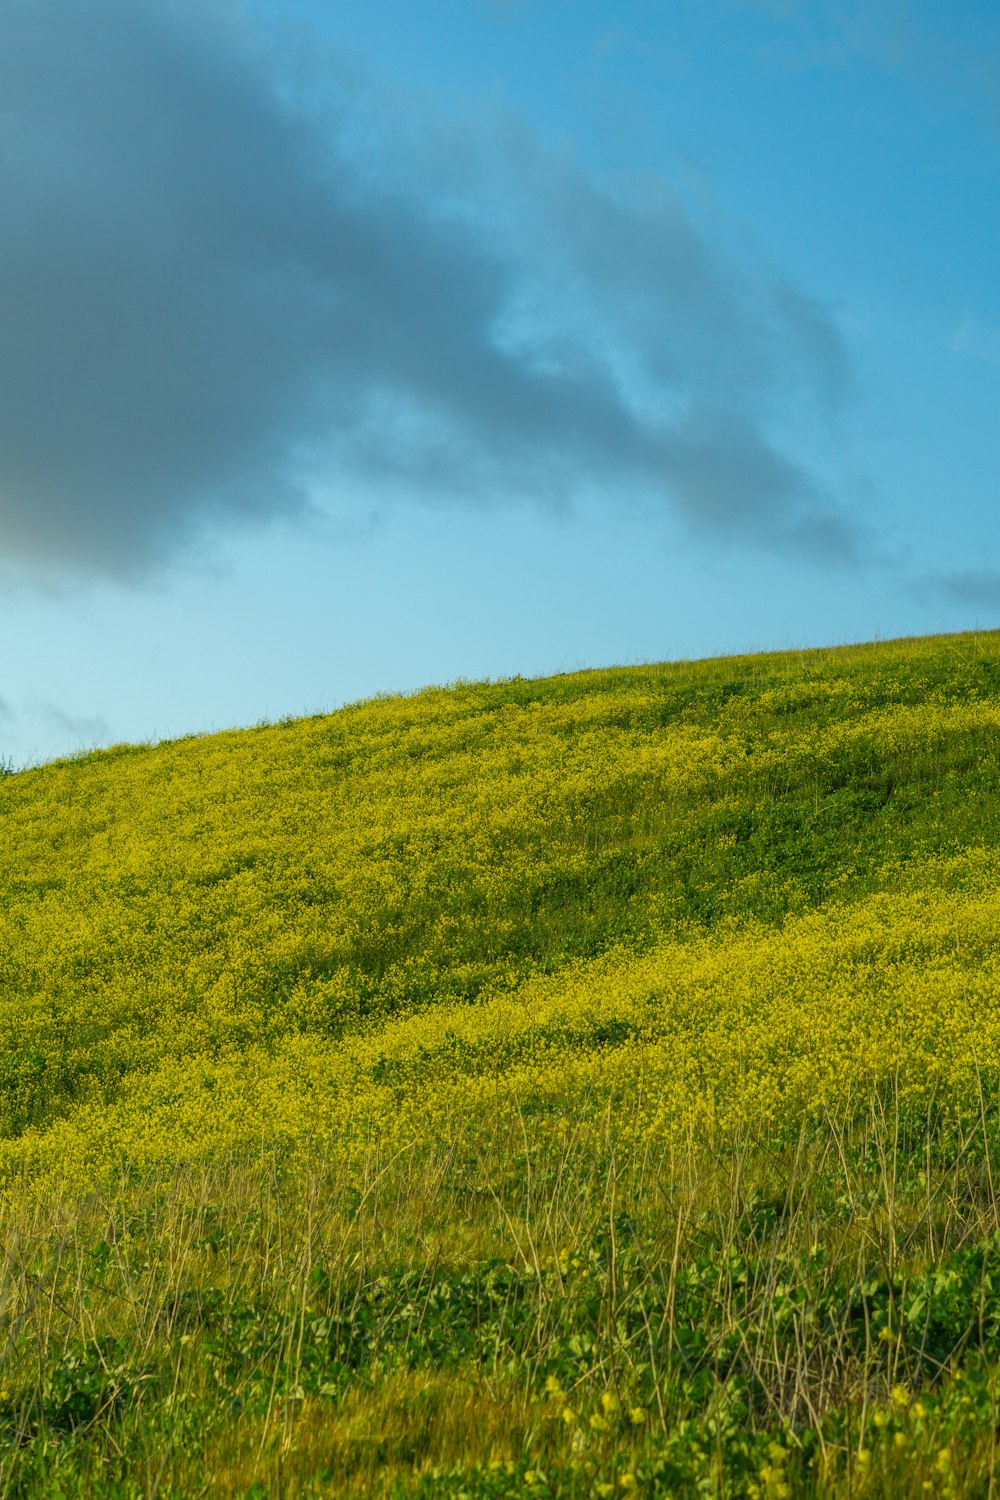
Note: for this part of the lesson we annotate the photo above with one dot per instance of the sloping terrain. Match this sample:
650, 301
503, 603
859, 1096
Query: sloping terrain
568, 1087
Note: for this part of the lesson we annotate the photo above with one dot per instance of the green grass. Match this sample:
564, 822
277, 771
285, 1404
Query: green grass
324, 1169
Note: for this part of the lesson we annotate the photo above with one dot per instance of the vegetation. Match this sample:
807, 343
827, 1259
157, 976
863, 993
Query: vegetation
565, 1088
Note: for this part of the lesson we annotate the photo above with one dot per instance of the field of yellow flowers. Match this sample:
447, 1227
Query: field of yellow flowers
579, 1087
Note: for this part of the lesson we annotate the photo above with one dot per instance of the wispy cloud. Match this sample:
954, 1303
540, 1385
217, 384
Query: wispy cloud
953, 48
220, 303
503, 10
85, 729
979, 587
976, 341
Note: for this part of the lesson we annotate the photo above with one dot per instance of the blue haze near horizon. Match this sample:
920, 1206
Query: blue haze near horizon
655, 331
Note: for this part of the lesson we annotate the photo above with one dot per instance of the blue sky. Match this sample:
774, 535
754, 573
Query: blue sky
345, 349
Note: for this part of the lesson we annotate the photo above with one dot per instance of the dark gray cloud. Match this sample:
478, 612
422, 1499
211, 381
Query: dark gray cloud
218, 301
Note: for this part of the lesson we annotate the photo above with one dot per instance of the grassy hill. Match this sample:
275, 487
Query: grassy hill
575, 1087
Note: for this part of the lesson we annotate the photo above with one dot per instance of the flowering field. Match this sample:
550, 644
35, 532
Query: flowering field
577, 1087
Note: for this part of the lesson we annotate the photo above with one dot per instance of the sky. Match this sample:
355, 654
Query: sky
349, 349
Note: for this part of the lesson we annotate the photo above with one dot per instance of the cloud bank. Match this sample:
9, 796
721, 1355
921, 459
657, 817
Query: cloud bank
226, 296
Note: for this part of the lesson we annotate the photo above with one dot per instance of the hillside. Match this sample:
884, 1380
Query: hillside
566, 1087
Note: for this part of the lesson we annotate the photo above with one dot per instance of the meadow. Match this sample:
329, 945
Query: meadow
577, 1087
